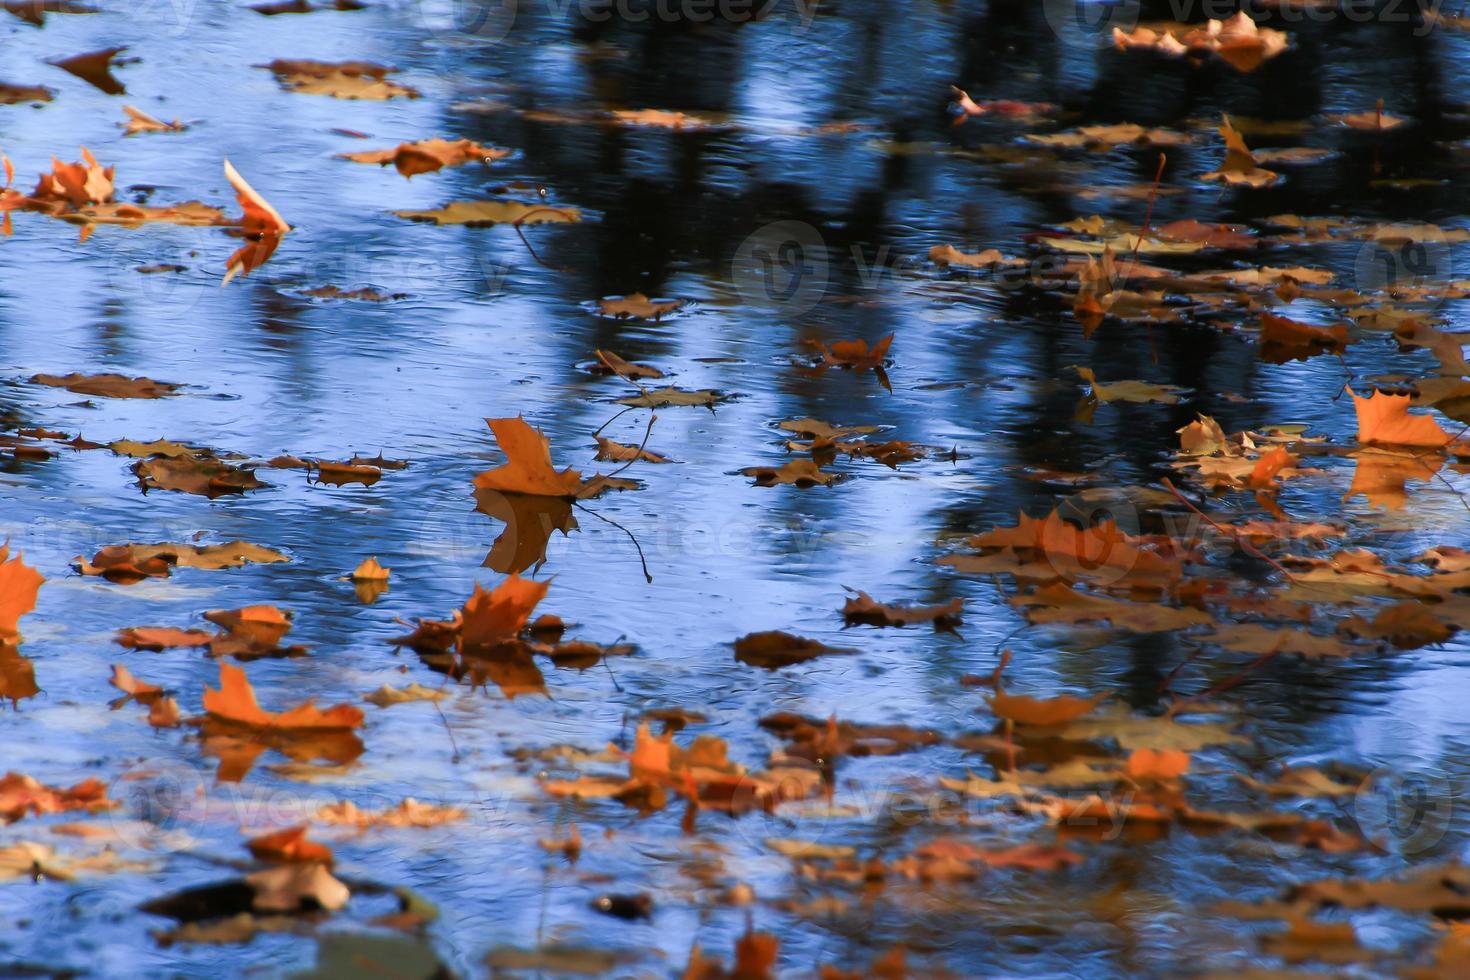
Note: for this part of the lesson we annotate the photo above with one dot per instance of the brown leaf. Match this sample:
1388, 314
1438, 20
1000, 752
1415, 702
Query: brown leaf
107, 385
289, 846
863, 608
340, 80
21, 794
772, 649
94, 68
235, 703
19, 586
427, 156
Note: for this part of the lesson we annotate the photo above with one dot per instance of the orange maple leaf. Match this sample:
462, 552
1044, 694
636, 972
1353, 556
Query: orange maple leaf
76, 184
499, 615
235, 702
262, 225
1042, 712
1157, 765
1385, 419
289, 846
528, 466
856, 353
1263, 477
19, 584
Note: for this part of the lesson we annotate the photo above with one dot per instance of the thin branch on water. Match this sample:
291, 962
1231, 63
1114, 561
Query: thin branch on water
607, 520
639, 454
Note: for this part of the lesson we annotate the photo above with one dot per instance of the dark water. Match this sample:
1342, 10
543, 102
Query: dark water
488, 329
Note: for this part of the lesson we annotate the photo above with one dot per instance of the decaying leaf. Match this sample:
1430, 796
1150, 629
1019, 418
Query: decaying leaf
340, 80
386, 696
234, 703
477, 214
19, 586
140, 122
20, 794
262, 227
636, 306
863, 608
797, 473
408, 813
772, 648
107, 385
94, 68
1239, 168
427, 156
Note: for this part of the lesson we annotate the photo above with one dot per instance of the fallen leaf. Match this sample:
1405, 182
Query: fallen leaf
15, 94
475, 214
370, 571
665, 397
613, 364
300, 887
409, 813
772, 649
797, 473
107, 385
636, 306
94, 68
1239, 167
1407, 625
1042, 712
124, 681
262, 227
19, 586
386, 696
162, 638
21, 794
1384, 419
863, 608
528, 468
235, 704
340, 80
140, 122
427, 156
498, 616
201, 475
289, 846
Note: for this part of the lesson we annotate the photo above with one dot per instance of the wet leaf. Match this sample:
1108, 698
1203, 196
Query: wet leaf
289, 846
94, 68
20, 794
262, 227
140, 122
340, 80
477, 214
235, 704
386, 696
636, 306
772, 649
863, 608
427, 156
107, 385
19, 586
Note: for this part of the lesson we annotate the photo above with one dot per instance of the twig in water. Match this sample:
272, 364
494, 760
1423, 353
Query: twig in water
607, 520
